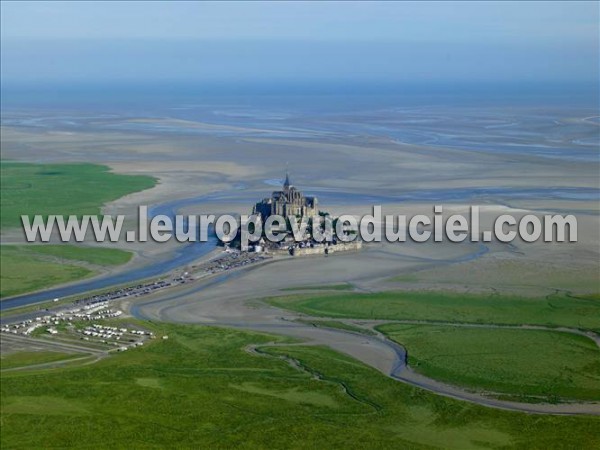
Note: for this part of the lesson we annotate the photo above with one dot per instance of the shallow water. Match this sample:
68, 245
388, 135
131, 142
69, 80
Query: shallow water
184, 254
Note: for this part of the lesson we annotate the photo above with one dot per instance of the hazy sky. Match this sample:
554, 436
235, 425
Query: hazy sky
425, 41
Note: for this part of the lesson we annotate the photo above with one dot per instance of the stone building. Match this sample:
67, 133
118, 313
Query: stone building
287, 202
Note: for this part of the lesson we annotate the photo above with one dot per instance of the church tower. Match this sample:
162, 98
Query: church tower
287, 202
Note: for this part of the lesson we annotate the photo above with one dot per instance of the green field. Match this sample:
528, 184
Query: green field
93, 255
27, 268
522, 364
201, 389
63, 189
22, 272
532, 365
21, 359
556, 310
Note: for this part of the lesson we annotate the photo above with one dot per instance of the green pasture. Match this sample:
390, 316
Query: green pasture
62, 189
555, 310
200, 388
526, 365
27, 268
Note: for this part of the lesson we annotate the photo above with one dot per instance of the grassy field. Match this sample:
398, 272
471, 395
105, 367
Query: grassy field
93, 255
21, 359
26, 268
22, 272
64, 189
528, 365
557, 310
200, 389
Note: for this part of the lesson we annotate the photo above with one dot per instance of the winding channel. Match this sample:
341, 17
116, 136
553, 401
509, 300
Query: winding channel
185, 254
379, 352
182, 305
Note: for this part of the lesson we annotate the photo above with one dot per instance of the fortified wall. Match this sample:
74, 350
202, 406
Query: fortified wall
320, 249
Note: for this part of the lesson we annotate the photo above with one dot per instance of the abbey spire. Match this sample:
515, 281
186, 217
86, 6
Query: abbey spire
287, 184
287, 202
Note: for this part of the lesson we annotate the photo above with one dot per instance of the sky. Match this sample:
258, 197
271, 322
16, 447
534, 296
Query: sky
74, 42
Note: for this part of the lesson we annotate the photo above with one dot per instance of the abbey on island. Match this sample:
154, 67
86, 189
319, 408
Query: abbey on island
287, 202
